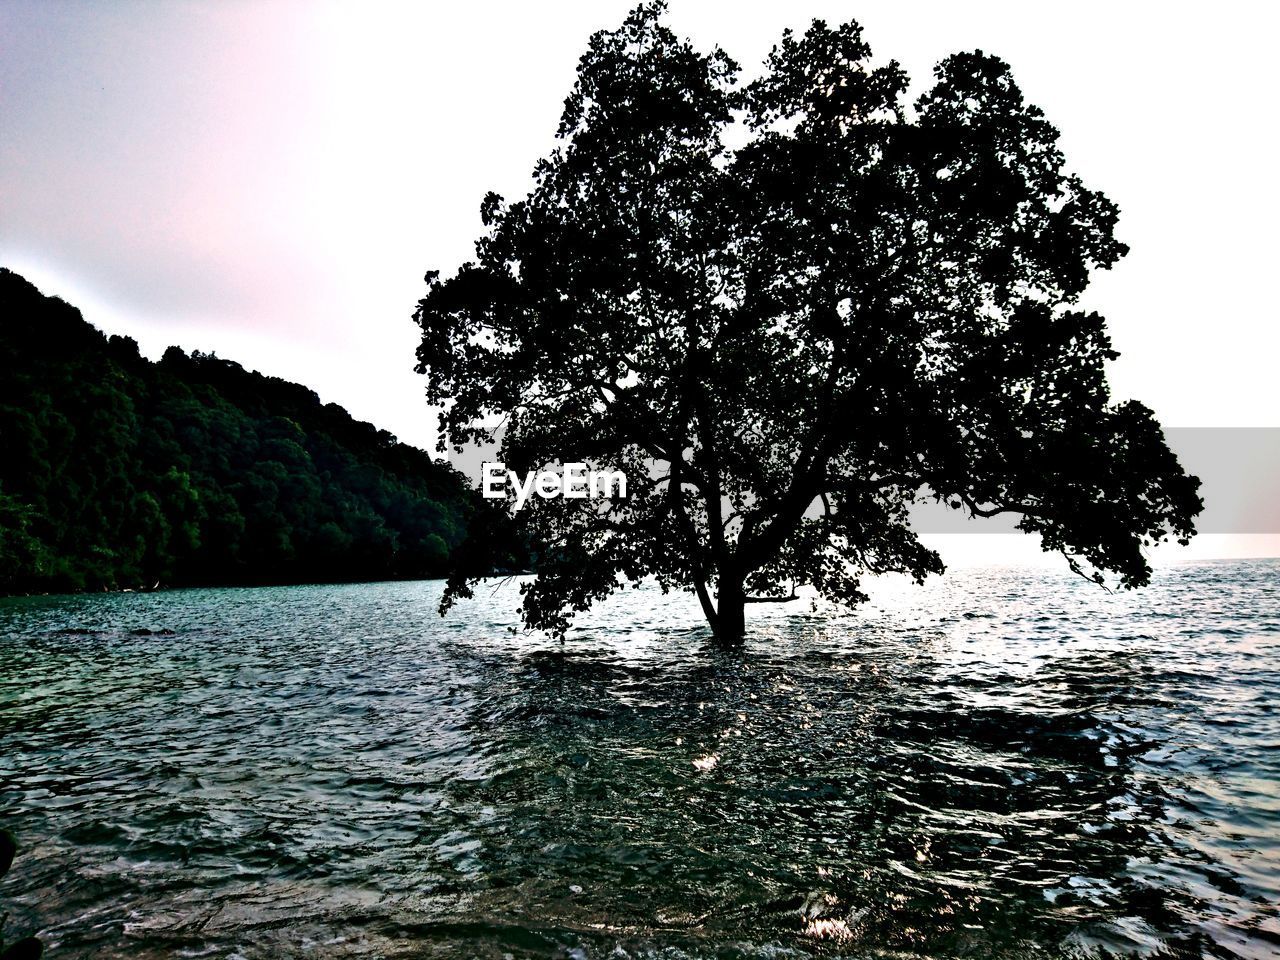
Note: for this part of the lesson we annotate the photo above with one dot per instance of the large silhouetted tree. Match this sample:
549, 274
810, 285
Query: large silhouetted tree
859, 303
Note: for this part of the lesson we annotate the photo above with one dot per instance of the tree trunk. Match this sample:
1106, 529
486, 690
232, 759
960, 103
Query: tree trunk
730, 625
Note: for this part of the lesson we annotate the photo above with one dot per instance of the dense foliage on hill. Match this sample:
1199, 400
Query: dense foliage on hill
116, 471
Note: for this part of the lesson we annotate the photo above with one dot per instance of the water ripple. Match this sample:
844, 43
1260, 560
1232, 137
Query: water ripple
1002, 764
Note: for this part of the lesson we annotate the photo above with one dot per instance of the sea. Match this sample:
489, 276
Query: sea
1002, 763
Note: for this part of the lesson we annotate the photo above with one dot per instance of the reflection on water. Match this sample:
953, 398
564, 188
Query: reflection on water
1002, 764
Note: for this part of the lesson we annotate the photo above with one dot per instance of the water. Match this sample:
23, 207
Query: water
1001, 764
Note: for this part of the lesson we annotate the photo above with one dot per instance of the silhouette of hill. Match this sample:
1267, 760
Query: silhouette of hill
116, 471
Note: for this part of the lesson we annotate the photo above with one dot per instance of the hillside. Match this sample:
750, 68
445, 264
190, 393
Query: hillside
116, 471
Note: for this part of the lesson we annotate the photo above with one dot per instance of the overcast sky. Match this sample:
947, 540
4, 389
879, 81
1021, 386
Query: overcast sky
270, 180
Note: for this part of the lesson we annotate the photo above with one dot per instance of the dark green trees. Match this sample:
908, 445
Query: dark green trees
864, 302
115, 471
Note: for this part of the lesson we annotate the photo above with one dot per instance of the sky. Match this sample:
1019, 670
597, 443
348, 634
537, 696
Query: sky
269, 180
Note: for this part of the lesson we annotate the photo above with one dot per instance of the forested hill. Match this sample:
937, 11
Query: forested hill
119, 472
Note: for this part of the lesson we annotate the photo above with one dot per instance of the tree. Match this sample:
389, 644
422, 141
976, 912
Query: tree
864, 303
116, 471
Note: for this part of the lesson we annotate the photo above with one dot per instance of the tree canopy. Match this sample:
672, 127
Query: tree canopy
809, 303
119, 472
